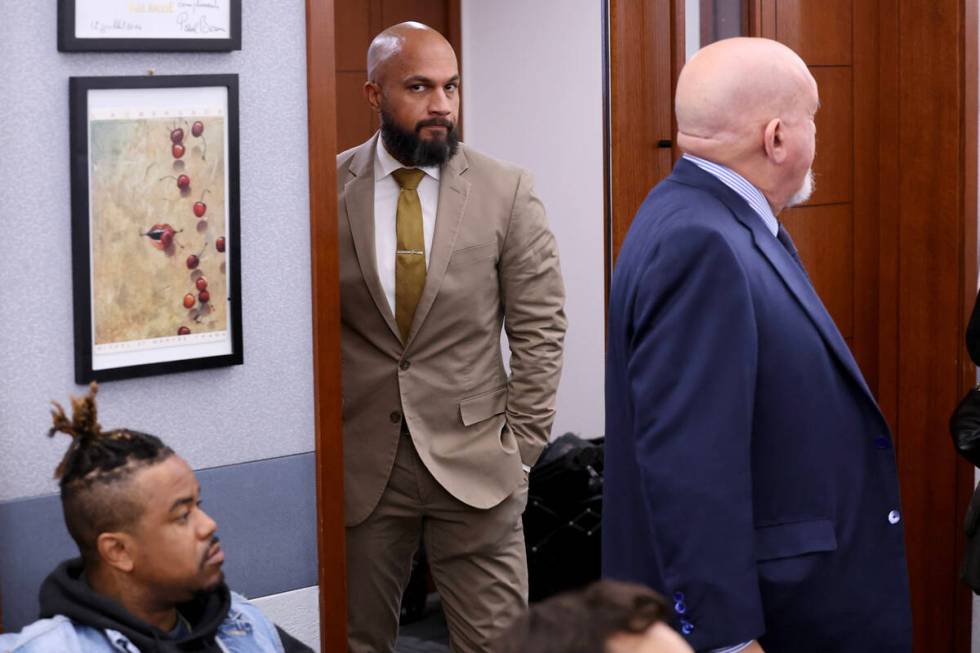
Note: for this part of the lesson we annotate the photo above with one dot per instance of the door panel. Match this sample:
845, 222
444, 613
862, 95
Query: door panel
833, 167
820, 32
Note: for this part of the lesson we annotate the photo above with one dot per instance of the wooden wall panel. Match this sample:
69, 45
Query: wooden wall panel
825, 238
833, 167
930, 190
434, 13
819, 30
355, 119
354, 34
641, 106
325, 300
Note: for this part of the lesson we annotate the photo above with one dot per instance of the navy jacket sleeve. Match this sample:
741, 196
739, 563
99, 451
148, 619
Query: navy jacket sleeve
691, 366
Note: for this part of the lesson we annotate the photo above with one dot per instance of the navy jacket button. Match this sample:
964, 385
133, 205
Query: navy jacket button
894, 517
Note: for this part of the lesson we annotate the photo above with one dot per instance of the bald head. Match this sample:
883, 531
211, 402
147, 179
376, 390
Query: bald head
403, 41
737, 101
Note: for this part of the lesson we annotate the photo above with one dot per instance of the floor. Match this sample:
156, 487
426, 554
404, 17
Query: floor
428, 635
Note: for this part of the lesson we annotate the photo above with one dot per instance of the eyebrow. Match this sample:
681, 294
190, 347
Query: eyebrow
416, 79
183, 501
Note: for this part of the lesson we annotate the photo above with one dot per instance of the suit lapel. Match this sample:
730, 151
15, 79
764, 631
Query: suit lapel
358, 200
453, 192
792, 274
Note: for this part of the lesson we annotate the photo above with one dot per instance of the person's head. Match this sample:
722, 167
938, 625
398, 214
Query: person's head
749, 104
605, 617
413, 84
133, 508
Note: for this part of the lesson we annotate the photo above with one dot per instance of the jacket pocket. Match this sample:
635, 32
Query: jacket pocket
794, 539
483, 406
474, 253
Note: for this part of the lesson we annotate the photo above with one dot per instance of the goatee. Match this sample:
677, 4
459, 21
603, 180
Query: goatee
411, 149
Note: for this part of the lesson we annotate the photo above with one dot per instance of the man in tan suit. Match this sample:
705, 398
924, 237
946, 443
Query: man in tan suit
439, 247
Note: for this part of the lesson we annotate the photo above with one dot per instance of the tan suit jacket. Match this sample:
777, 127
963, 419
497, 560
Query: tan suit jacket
493, 262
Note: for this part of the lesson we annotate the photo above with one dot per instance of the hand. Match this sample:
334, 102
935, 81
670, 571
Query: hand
753, 648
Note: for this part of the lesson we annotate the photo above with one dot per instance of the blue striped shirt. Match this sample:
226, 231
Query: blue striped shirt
757, 201
752, 195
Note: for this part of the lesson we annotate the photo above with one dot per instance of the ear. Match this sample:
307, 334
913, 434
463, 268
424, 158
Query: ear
773, 141
372, 92
117, 550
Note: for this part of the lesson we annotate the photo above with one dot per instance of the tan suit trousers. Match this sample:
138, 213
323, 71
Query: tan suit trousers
477, 559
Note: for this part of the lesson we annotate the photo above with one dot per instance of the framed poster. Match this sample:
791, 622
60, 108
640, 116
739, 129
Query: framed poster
155, 25
155, 224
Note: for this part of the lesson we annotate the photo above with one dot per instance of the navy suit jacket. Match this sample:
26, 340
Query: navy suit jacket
749, 474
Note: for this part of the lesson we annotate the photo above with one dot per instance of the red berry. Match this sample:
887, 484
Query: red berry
177, 135
204, 296
183, 331
183, 182
220, 244
192, 261
200, 208
177, 149
197, 128
188, 300
201, 283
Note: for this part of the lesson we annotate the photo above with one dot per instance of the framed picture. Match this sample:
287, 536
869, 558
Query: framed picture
155, 224
155, 25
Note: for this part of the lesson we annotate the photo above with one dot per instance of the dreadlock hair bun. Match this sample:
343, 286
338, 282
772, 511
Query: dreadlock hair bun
93, 452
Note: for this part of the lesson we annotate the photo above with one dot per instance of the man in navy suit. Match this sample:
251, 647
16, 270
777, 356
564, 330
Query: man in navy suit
750, 475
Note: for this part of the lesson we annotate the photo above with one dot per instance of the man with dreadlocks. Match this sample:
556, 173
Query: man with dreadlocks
149, 579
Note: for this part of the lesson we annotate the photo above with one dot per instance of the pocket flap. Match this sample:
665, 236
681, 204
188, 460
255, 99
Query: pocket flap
793, 539
483, 406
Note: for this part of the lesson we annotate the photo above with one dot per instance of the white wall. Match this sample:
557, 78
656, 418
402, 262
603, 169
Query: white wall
532, 94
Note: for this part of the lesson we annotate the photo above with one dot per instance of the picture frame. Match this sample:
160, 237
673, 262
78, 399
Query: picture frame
155, 221
149, 25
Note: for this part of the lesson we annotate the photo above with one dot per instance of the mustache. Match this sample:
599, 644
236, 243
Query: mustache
434, 122
214, 540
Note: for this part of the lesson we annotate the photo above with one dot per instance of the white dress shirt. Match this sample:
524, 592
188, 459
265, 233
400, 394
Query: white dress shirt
752, 195
386, 191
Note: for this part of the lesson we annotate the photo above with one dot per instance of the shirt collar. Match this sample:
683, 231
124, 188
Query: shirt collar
385, 164
742, 187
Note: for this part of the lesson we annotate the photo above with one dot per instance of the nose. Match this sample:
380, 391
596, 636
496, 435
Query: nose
439, 104
208, 527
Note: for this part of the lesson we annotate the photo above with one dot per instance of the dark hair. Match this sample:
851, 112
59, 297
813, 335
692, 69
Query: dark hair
95, 469
583, 621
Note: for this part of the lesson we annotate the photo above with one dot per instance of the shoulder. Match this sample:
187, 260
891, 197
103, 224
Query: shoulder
242, 608
55, 634
344, 158
482, 166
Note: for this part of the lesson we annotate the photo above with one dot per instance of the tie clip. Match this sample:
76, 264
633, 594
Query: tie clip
410, 251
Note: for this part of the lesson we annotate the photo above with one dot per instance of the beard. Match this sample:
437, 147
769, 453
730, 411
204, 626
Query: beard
411, 149
804, 192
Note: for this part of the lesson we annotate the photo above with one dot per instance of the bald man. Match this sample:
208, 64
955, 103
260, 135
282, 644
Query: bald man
439, 246
749, 473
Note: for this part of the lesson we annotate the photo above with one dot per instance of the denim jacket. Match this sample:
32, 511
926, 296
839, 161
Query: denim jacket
244, 630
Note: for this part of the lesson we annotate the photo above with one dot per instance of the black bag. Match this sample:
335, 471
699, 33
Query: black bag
964, 426
970, 572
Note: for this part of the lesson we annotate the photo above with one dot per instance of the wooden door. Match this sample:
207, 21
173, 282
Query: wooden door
889, 236
358, 22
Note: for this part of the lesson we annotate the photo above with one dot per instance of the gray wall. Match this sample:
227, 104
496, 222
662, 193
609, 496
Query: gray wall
260, 410
256, 412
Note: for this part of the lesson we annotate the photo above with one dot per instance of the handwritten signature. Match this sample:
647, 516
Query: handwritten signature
199, 4
199, 26
117, 25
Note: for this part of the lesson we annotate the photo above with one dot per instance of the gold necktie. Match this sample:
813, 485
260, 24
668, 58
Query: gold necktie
410, 254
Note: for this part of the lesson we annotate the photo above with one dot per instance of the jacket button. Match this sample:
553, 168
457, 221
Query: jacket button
680, 607
686, 627
395, 417
894, 517
404, 365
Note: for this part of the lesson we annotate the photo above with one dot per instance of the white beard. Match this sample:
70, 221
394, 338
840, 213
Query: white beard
805, 191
